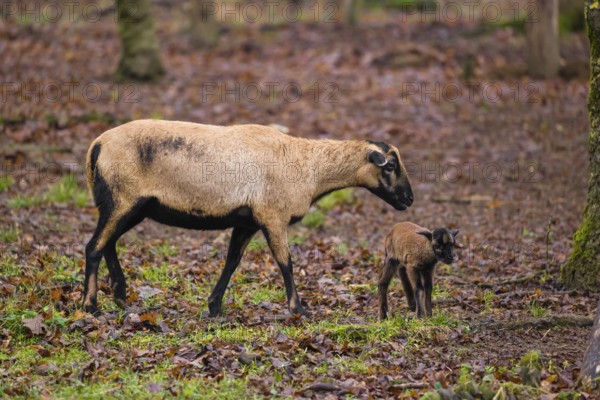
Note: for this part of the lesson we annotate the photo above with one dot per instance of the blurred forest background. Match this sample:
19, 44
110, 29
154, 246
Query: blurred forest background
487, 103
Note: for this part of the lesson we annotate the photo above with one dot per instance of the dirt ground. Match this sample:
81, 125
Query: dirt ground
489, 151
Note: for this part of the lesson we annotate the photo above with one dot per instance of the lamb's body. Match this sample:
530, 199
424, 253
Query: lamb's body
248, 177
410, 252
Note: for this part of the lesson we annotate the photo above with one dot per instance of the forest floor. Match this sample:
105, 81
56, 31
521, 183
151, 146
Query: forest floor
489, 151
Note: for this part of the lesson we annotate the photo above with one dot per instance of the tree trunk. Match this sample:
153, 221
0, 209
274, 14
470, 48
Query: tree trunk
583, 268
140, 58
204, 29
542, 40
591, 360
350, 11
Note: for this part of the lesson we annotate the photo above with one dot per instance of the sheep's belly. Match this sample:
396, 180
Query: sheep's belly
240, 217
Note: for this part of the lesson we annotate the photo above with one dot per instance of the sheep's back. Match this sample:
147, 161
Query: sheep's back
196, 167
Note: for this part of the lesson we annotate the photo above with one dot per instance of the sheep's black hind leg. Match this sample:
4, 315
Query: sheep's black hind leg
239, 240
93, 255
103, 242
118, 282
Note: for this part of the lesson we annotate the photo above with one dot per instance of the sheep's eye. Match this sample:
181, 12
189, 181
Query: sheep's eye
389, 167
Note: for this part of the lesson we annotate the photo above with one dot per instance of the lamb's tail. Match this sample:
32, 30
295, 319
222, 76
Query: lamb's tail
91, 168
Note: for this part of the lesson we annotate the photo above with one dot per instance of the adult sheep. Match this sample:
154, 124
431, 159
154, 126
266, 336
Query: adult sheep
245, 177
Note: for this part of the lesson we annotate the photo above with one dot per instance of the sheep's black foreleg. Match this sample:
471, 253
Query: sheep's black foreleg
389, 269
277, 239
239, 240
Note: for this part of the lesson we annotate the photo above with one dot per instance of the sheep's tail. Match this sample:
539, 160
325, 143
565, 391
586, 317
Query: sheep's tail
91, 166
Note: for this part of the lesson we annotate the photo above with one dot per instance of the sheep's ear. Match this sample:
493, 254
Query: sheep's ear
454, 232
377, 158
427, 234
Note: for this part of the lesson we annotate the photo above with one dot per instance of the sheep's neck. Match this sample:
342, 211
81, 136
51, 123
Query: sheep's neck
338, 169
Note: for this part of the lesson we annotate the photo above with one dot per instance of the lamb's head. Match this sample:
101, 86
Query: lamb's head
443, 242
385, 176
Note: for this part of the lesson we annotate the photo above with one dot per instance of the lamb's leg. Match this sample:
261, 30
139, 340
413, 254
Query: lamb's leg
389, 269
277, 238
427, 277
417, 285
239, 240
408, 289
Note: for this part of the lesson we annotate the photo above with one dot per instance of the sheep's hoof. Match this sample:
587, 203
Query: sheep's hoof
301, 311
120, 293
92, 309
214, 311
121, 303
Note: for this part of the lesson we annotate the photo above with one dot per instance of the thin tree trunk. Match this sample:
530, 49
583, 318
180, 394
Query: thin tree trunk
204, 29
140, 58
350, 11
543, 55
582, 270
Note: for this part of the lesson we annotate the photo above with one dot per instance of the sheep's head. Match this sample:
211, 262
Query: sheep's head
443, 242
386, 177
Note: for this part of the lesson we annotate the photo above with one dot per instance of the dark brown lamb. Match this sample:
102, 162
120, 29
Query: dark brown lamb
412, 252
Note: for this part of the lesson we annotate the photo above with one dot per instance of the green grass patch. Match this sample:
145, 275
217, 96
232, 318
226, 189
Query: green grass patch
344, 196
64, 270
536, 310
24, 201
9, 234
165, 250
163, 274
257, 245
376, 332
267, 293
67, 190
6, 182
314, 219
9, 266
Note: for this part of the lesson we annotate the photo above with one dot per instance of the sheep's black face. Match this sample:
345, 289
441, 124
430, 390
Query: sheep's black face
444, 242
393, 185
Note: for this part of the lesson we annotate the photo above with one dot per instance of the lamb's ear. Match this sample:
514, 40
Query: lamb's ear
454, 232
427, 234
377, 158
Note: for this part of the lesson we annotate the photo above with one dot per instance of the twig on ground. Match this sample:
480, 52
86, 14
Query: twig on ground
409, 385
323, 387
536, 323
511, 281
